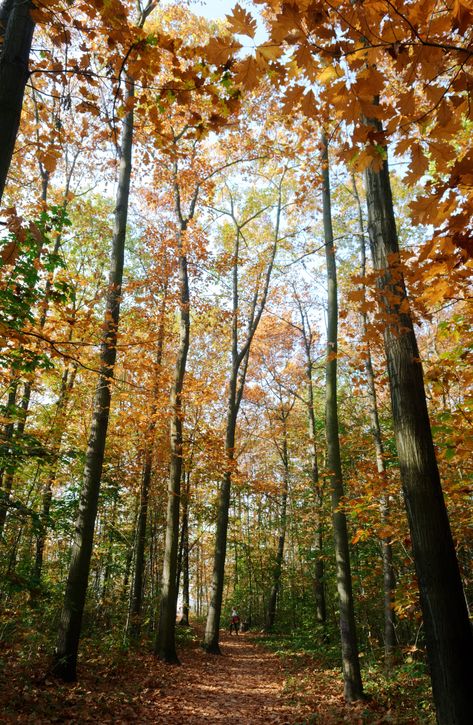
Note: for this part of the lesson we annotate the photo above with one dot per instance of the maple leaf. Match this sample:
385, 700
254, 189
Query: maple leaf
304, 58
242, 22
49, 160
268, 51
308, 105
463, 15
246, 73
419, 164
292, 97
219, 52
9, 253
328, 74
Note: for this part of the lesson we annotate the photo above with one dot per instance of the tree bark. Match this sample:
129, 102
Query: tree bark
134, 620
212, 626
67, 384
319, 584
165, 646
448, 633
272, 601
6, 478
184, 621
386, 546
353, 688
65, 658
16, 34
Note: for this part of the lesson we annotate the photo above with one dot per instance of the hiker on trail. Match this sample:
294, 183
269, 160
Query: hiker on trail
234, 621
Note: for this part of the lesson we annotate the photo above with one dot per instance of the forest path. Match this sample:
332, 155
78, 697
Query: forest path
246, 685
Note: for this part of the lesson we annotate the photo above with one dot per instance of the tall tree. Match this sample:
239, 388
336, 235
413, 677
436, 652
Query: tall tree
353, 687
386, 545
308, 340
165, 646
16, 35
136, 599
240, 353
448, 633
282, 415
65, 655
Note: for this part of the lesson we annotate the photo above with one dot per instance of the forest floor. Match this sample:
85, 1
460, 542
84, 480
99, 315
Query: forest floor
248, 685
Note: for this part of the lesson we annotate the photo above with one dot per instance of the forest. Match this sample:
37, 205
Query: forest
236, 350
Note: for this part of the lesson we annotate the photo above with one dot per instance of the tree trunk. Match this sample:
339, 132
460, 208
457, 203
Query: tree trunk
240, 358
7, 473
165, 646
65, 658
319, 584
16, 34
134, 620
353, 688
386, 546
271, 611
67, 384
448, 633
184, 621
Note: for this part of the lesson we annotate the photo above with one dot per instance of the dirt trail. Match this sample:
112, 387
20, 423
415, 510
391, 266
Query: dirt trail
244, 686
247, 685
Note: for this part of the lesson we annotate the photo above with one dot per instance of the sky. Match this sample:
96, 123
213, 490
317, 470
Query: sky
213, 8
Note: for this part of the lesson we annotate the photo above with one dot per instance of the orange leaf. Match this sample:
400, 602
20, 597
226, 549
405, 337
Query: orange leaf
242, 22
219, 52
246, 73
9, 253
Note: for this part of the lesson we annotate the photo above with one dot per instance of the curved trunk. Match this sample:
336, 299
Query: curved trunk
16, 34
448, 634
353, 688
65, 657
240, 359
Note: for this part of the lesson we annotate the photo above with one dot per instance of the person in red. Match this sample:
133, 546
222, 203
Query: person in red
234, 621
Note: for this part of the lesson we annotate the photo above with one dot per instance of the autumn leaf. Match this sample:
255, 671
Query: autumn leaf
268, 51
241, 22
292, 97
419, 164
246, 73
219, 52
49, 159
463, 15
308, 105
9, 253
328, 74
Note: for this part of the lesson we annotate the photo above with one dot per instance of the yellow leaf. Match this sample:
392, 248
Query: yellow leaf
269, 51
328, 74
